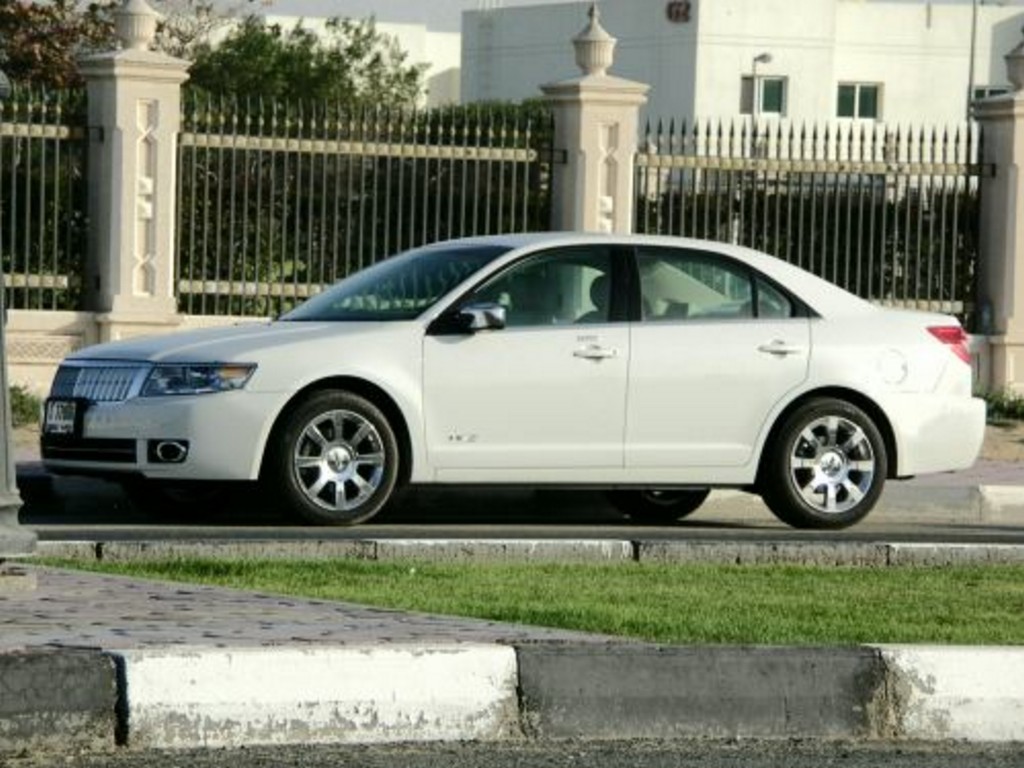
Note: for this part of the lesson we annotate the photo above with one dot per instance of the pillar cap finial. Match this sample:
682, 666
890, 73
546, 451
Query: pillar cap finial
135, 22
595, 48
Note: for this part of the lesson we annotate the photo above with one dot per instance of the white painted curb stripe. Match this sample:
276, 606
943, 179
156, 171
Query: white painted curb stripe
232, 697
972, 693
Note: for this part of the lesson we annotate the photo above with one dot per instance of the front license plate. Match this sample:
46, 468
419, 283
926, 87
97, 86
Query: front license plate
60, 417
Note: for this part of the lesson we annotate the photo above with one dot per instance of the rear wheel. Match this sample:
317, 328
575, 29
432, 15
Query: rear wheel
826, 467
655, 505
336, 462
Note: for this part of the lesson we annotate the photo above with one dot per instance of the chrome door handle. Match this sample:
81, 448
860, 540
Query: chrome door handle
594, 352
780, 348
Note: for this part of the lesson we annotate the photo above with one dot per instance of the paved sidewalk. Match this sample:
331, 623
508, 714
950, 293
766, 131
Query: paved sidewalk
74, 609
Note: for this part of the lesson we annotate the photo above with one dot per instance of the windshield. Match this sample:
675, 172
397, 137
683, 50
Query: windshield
401, 287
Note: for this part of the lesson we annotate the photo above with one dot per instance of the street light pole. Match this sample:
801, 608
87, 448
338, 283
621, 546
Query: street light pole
14, 540
973, 52
761, 58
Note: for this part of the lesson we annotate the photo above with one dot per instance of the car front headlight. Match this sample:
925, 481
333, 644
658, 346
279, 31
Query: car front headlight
196, 378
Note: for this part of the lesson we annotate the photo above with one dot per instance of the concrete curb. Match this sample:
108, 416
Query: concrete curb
50, 698
978, 503
971, 694
233, 697
700, 692
809, 552
215, 697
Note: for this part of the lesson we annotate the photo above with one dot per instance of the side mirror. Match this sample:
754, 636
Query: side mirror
482, 317
485, 316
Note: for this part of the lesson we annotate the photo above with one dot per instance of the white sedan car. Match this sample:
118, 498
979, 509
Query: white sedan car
655, 368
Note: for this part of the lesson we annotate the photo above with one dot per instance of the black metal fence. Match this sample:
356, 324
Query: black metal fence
278, 200
275, 201
43, 198
889, 213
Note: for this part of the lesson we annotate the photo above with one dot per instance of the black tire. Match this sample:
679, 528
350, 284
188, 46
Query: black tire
652, 505
831, 481
335, 459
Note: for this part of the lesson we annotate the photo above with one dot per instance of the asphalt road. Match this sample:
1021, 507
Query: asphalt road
77, 509
602, 754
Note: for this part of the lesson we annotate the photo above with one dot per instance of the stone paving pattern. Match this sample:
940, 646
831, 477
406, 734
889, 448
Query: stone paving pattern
82, 610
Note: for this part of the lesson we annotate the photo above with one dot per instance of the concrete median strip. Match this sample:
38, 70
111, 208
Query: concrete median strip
217, 697
265, 670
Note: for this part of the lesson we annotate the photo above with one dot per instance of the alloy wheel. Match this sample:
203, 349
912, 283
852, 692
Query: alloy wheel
832, 464
339, 460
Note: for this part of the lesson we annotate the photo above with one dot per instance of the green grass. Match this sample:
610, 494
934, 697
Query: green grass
672, 604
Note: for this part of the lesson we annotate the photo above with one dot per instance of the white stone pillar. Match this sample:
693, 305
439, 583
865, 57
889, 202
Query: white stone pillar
596, 122
134, 115
1001, 264
14, 540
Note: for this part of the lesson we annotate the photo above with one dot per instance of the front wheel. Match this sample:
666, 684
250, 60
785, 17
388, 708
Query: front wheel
336, 459
826, 466
658, 505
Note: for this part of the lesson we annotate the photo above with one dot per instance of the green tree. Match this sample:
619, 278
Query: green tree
349, 62
186, 25
40, 42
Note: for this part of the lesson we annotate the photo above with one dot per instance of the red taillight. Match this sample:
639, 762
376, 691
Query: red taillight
954, 337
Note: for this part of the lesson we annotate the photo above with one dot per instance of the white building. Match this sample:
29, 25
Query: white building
438, 50
898, 62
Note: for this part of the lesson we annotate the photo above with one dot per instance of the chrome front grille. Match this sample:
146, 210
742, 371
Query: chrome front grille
101, 383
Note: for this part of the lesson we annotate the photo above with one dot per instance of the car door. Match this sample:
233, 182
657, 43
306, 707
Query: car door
543, 397
716, 348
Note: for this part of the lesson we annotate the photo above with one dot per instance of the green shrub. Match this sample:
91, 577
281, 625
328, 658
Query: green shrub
1005, 405
25, 407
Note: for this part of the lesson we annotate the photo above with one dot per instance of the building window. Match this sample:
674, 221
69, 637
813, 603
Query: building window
771, 96
988, 91
859, 100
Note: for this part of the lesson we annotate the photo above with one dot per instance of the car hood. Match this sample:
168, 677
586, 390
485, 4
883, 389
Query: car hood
236, 343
